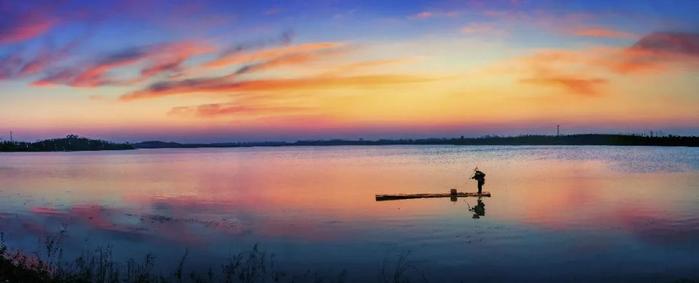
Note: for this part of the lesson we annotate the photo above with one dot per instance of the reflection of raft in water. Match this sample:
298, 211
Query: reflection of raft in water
452, 194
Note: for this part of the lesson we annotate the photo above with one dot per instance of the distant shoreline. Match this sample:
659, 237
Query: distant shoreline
69, 143
582, 139
75, 143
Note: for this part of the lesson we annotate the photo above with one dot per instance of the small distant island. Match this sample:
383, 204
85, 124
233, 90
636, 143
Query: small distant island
76, 143
69, 143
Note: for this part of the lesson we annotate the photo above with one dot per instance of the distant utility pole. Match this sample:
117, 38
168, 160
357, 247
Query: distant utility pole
11, 139
558, 130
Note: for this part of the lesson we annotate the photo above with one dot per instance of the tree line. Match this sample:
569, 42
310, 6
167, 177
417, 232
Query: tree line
69, 143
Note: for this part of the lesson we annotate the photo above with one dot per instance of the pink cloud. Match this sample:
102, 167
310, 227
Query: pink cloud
679, 43
224, 85
17, 65
18, 28
159, 58
171, 57
574, 85
292, 59
423, 15
9, 65
233, 54
584, 72
657, 52
231, 109
602, 32
241, 57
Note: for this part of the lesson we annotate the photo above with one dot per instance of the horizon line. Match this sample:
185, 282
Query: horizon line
653, 134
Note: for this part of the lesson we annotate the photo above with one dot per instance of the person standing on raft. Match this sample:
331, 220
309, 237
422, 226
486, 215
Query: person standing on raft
480, 177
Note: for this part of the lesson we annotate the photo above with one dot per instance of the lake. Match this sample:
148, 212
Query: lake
558, 213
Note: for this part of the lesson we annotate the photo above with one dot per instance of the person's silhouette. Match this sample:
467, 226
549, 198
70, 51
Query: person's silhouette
478, 210
480, 177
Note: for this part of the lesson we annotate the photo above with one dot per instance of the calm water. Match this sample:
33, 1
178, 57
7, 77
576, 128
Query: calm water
557, 213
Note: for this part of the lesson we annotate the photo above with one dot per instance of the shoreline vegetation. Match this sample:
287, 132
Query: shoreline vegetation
253, 265
69, 143
76, 143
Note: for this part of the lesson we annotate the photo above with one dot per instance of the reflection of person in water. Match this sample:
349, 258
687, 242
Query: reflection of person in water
478, 210
480, 177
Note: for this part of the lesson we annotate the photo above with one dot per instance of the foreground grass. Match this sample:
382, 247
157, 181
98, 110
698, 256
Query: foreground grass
99, 265
252, 266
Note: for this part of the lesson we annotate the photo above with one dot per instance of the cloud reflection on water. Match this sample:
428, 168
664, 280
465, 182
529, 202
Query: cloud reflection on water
324, 197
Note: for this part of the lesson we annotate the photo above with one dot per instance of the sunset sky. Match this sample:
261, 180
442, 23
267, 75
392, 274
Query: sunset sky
209, 71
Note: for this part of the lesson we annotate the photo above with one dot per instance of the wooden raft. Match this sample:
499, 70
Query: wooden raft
452, 194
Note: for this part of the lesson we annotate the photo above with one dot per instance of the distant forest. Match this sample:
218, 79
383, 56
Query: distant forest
584, 139
69, 143
76, 143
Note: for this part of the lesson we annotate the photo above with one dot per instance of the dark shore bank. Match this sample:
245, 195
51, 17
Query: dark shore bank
581, 139
75, 143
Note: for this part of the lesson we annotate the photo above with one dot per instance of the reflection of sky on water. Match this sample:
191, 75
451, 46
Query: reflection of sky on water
622, 212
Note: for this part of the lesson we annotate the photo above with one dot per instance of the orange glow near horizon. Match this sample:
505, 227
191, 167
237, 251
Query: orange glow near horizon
495, 70
282, 185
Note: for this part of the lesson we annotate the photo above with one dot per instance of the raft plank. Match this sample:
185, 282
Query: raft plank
433, 195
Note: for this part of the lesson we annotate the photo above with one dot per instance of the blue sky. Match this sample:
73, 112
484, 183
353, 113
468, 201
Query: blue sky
250, 70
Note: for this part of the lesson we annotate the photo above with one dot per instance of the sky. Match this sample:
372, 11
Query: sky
214, 71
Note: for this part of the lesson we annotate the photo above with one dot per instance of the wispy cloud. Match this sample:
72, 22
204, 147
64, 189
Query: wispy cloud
51, 55
573, 85
171, 57
18, 63
228, 55
487, 29
10, 63
159, 58
215, 110
18, 27
601, 32
586, 71
292, 58
238, 57
95, 75
677, 43
423, 15
657, 52
227, 85
365, 65
564, 70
